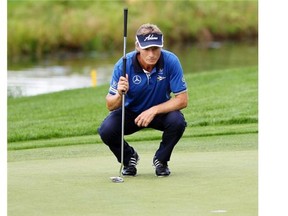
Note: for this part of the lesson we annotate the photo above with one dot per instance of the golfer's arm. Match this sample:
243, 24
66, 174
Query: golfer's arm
178, 102
113, 102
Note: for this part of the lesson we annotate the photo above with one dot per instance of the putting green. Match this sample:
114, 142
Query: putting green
74, 180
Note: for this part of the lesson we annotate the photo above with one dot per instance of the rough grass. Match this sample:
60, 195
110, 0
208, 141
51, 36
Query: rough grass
226, 97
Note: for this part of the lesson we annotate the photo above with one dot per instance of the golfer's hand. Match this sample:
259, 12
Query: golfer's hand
123, 85
144, 119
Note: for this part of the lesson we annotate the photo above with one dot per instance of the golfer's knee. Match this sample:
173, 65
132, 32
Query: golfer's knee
179, 125
177, 122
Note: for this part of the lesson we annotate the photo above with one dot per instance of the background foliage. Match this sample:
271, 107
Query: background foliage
39, 27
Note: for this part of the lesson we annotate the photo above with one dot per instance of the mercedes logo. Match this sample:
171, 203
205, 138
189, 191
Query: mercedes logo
136, 79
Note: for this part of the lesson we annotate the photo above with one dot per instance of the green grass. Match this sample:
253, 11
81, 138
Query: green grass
62, 114
217, 98
144, 135
208, 174
57, 164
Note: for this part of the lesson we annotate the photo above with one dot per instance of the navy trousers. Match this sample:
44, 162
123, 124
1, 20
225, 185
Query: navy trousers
172, 124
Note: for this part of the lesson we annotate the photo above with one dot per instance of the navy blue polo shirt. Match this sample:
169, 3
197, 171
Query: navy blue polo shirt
147, 90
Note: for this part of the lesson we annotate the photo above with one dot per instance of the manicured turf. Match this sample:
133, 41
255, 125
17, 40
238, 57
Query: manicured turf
74, 180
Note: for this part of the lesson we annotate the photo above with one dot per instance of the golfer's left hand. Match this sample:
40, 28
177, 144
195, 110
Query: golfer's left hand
144, 119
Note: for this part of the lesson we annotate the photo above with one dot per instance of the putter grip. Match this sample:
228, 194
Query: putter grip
124, 67
125, 21
125, 35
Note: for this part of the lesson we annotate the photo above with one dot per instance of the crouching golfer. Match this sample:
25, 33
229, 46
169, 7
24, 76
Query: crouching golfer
152, 74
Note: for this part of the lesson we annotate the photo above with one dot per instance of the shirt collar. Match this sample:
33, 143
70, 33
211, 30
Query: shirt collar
138, 68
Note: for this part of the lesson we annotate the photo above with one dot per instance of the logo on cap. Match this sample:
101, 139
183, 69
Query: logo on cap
150, 37
150, 40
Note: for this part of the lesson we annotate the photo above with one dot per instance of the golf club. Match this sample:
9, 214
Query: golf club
120, 179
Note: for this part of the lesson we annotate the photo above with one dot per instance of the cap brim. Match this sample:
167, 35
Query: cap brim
145, 46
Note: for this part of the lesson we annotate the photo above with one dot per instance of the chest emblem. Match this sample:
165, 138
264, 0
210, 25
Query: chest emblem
136, 79
159, 78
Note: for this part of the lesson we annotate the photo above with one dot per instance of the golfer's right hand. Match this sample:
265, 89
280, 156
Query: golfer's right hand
123, 85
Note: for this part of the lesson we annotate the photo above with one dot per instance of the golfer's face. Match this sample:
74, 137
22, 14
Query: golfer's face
150, 55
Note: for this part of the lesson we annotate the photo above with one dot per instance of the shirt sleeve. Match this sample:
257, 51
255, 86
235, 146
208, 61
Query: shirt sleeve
115, 78
177, 80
